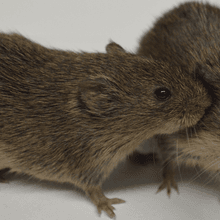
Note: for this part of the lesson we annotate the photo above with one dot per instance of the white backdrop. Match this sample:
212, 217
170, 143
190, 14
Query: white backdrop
88, 25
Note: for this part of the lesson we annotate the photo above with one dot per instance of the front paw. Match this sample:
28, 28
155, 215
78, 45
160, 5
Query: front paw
168, 182
106, 205
102, 203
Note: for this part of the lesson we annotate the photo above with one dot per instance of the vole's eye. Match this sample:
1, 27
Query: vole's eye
162, 93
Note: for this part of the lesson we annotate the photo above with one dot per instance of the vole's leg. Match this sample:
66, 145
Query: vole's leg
168, 170
102, 202
2, 172
167, 145
168, 178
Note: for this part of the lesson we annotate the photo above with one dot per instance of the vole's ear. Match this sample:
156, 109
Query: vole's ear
99, 97
112, 47
208, 75
209, 72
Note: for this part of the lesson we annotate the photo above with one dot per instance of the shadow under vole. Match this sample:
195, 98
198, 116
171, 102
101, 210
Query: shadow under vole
72, 117
125, 177
188, 37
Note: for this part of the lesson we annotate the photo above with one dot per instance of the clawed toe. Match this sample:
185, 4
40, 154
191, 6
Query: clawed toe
106, 206
168, 183
103, 203
168, 178
116, 201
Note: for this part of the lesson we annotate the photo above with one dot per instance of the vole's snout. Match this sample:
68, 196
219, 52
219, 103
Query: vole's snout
192, 116
194, 111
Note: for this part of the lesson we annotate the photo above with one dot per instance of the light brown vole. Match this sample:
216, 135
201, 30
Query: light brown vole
72, 117
188, 36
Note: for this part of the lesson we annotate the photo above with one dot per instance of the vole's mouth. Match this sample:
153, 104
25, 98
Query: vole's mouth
187, 122
191, 117
194, 109
171, 127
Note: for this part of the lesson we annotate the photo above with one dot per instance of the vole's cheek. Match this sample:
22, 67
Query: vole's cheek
170, 127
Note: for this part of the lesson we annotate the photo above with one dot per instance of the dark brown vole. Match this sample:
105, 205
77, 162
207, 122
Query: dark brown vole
189, 37
72, 117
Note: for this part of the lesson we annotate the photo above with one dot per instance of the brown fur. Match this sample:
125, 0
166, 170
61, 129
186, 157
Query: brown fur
189, 36
72, 117
112, 47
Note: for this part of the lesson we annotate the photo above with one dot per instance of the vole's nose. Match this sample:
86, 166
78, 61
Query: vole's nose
194, 110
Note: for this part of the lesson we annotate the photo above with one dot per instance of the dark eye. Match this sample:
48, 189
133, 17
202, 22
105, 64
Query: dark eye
162, 93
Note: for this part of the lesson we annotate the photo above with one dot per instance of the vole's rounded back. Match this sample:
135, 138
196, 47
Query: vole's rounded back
188, 36
71, 117
185, 35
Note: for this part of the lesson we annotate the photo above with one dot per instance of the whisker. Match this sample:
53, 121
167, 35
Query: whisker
195, 132
217, 107
167, 162
191, 133
199, 126
205, 125
196, 170
210, 180
204, 170
198, 175
156, 138
177, 158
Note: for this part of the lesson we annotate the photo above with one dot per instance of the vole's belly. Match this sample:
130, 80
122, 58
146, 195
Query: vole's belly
93, 173
18, 165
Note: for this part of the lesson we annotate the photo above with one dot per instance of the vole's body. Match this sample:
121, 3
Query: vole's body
72, 117
189, 36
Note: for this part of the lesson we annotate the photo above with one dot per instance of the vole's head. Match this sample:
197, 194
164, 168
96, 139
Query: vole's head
142, 93
200, 144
